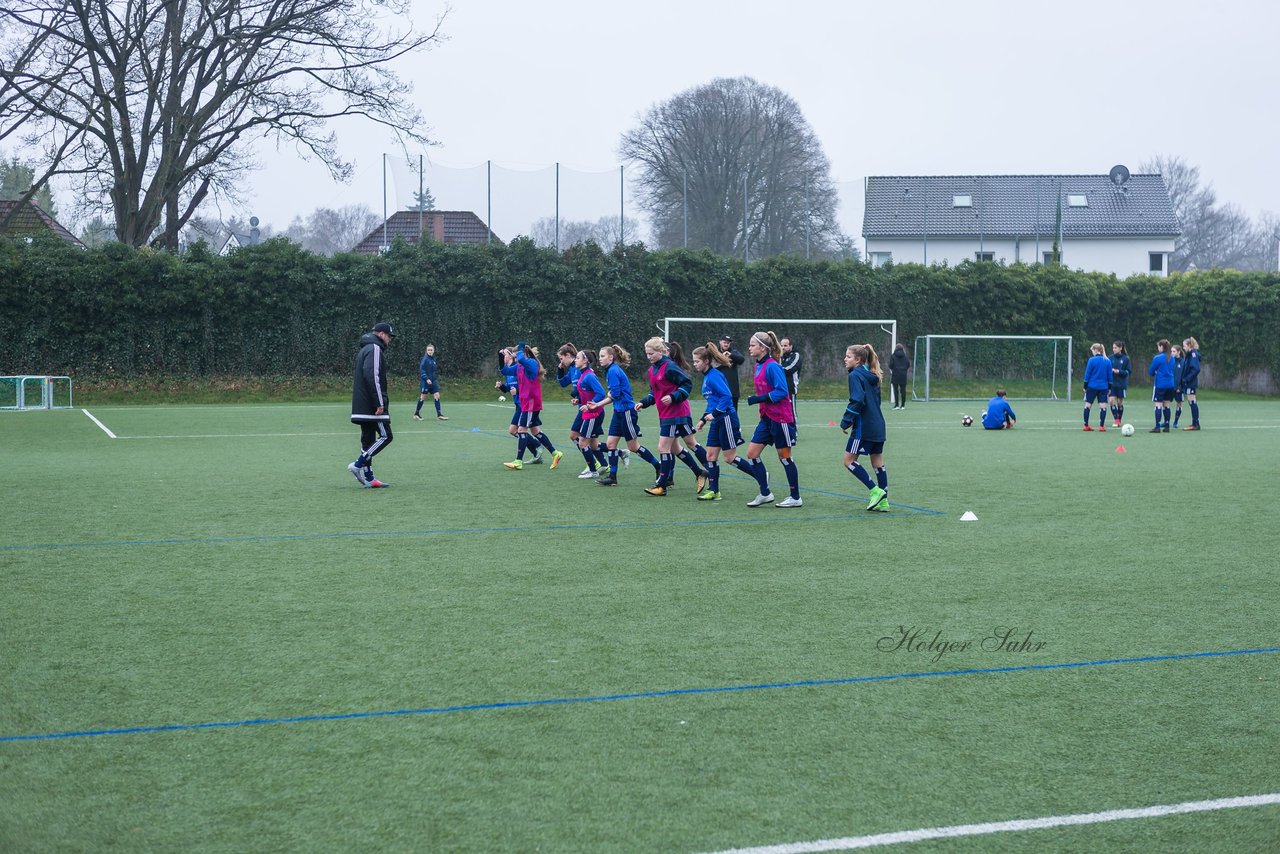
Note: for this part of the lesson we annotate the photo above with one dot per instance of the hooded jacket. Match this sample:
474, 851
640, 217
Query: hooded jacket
369, 390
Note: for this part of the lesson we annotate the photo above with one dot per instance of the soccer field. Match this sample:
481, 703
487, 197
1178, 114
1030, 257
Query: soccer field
213, 639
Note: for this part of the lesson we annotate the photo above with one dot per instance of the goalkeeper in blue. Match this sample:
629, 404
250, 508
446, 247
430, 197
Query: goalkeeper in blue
999, 414
864, 423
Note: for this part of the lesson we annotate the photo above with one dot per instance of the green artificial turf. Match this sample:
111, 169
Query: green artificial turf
217, 565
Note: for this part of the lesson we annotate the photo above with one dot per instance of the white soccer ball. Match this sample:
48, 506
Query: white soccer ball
1126, 430
966, 421
502, 398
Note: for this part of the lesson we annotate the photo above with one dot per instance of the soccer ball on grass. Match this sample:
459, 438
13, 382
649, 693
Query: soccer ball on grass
502, 398
966, 421
1126, 430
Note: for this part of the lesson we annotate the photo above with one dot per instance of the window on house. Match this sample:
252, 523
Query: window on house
1077, 200
1156, 264
962, 201
984, 256
879, 259
1048, 258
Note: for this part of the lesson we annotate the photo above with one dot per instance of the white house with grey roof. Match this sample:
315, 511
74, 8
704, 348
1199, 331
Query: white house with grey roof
1118, 223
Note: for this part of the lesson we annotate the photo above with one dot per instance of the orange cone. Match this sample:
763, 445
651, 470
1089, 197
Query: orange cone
1120, 449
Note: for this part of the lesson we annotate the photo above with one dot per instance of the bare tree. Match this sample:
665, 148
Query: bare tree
741, 160
607, 231
1213, 235
151, 105
327, 231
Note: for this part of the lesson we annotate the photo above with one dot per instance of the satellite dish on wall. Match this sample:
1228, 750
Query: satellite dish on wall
1118, 175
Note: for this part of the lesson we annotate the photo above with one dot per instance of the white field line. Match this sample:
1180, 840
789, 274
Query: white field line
100, 424
849, 843
233, 435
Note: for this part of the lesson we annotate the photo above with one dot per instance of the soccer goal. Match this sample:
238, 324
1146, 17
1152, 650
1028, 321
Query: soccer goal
35, 392
821, 343
970, 367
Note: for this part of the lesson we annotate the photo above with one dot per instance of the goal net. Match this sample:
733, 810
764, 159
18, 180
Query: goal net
970, 367
35, 392
821, 343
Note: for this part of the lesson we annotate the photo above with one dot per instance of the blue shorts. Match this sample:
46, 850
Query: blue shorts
1162, 395
1098, 394
625, 424
425, 390
515, 417
724, 431
674, 428
590, 428
780, 434
1190, 389
860, 448
1177, 395
1117, 392
577, 423
530, 419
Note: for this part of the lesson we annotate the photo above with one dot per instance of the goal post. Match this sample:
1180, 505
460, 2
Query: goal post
35, 391
821, 342
970, 367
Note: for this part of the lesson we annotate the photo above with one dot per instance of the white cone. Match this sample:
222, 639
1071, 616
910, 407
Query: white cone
968, 517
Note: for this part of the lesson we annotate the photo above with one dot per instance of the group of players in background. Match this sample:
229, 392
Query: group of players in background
670, 390
1175, 372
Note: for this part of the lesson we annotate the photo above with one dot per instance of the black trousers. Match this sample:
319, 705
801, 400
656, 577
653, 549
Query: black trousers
374, 437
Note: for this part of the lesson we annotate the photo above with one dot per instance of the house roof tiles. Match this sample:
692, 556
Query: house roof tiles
1016, 205
445, 226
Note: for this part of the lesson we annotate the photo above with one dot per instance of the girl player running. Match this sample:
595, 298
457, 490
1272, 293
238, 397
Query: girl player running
864, 422
624, 426
529, 429
724, 432
670, 389
586, 389
777, 425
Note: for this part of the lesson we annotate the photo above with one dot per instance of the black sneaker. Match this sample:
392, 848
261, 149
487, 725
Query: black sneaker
1154, 430
1166, 429
607, 480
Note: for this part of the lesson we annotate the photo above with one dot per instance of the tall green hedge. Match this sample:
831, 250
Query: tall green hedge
275, 309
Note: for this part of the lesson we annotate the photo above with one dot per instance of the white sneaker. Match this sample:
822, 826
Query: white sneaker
790, 502
359, 473
587, 474
763, 498
584, 472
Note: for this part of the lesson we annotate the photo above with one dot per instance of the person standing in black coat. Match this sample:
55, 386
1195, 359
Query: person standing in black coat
899, 368
370, 403
730, 370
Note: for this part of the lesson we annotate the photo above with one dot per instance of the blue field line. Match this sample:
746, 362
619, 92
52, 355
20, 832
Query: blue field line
638, 695
506, 529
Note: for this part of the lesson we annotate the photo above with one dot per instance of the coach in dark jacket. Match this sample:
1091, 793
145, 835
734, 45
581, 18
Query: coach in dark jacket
730, 370
370, 405
899, 368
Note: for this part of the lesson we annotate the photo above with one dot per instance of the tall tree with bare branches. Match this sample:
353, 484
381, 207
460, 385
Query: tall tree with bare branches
150, 106
740, 160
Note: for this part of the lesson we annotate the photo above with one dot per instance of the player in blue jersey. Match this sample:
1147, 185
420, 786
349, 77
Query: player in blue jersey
670, 387
567, 375
1191, 379
724, 433
429, 376
1162, 371
587, 388
864, 423
999, 414
1178, 365
1121, 367
1097, 385
625, 424
510, 385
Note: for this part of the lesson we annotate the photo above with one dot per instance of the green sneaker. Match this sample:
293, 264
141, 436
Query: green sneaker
515, 465
882, 506
556, 457
876, 494
708, 495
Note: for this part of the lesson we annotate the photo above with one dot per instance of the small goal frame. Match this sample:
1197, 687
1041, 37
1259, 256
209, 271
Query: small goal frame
928, 362
45, 392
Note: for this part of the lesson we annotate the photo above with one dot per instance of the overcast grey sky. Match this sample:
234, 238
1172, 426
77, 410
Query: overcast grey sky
904, 88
